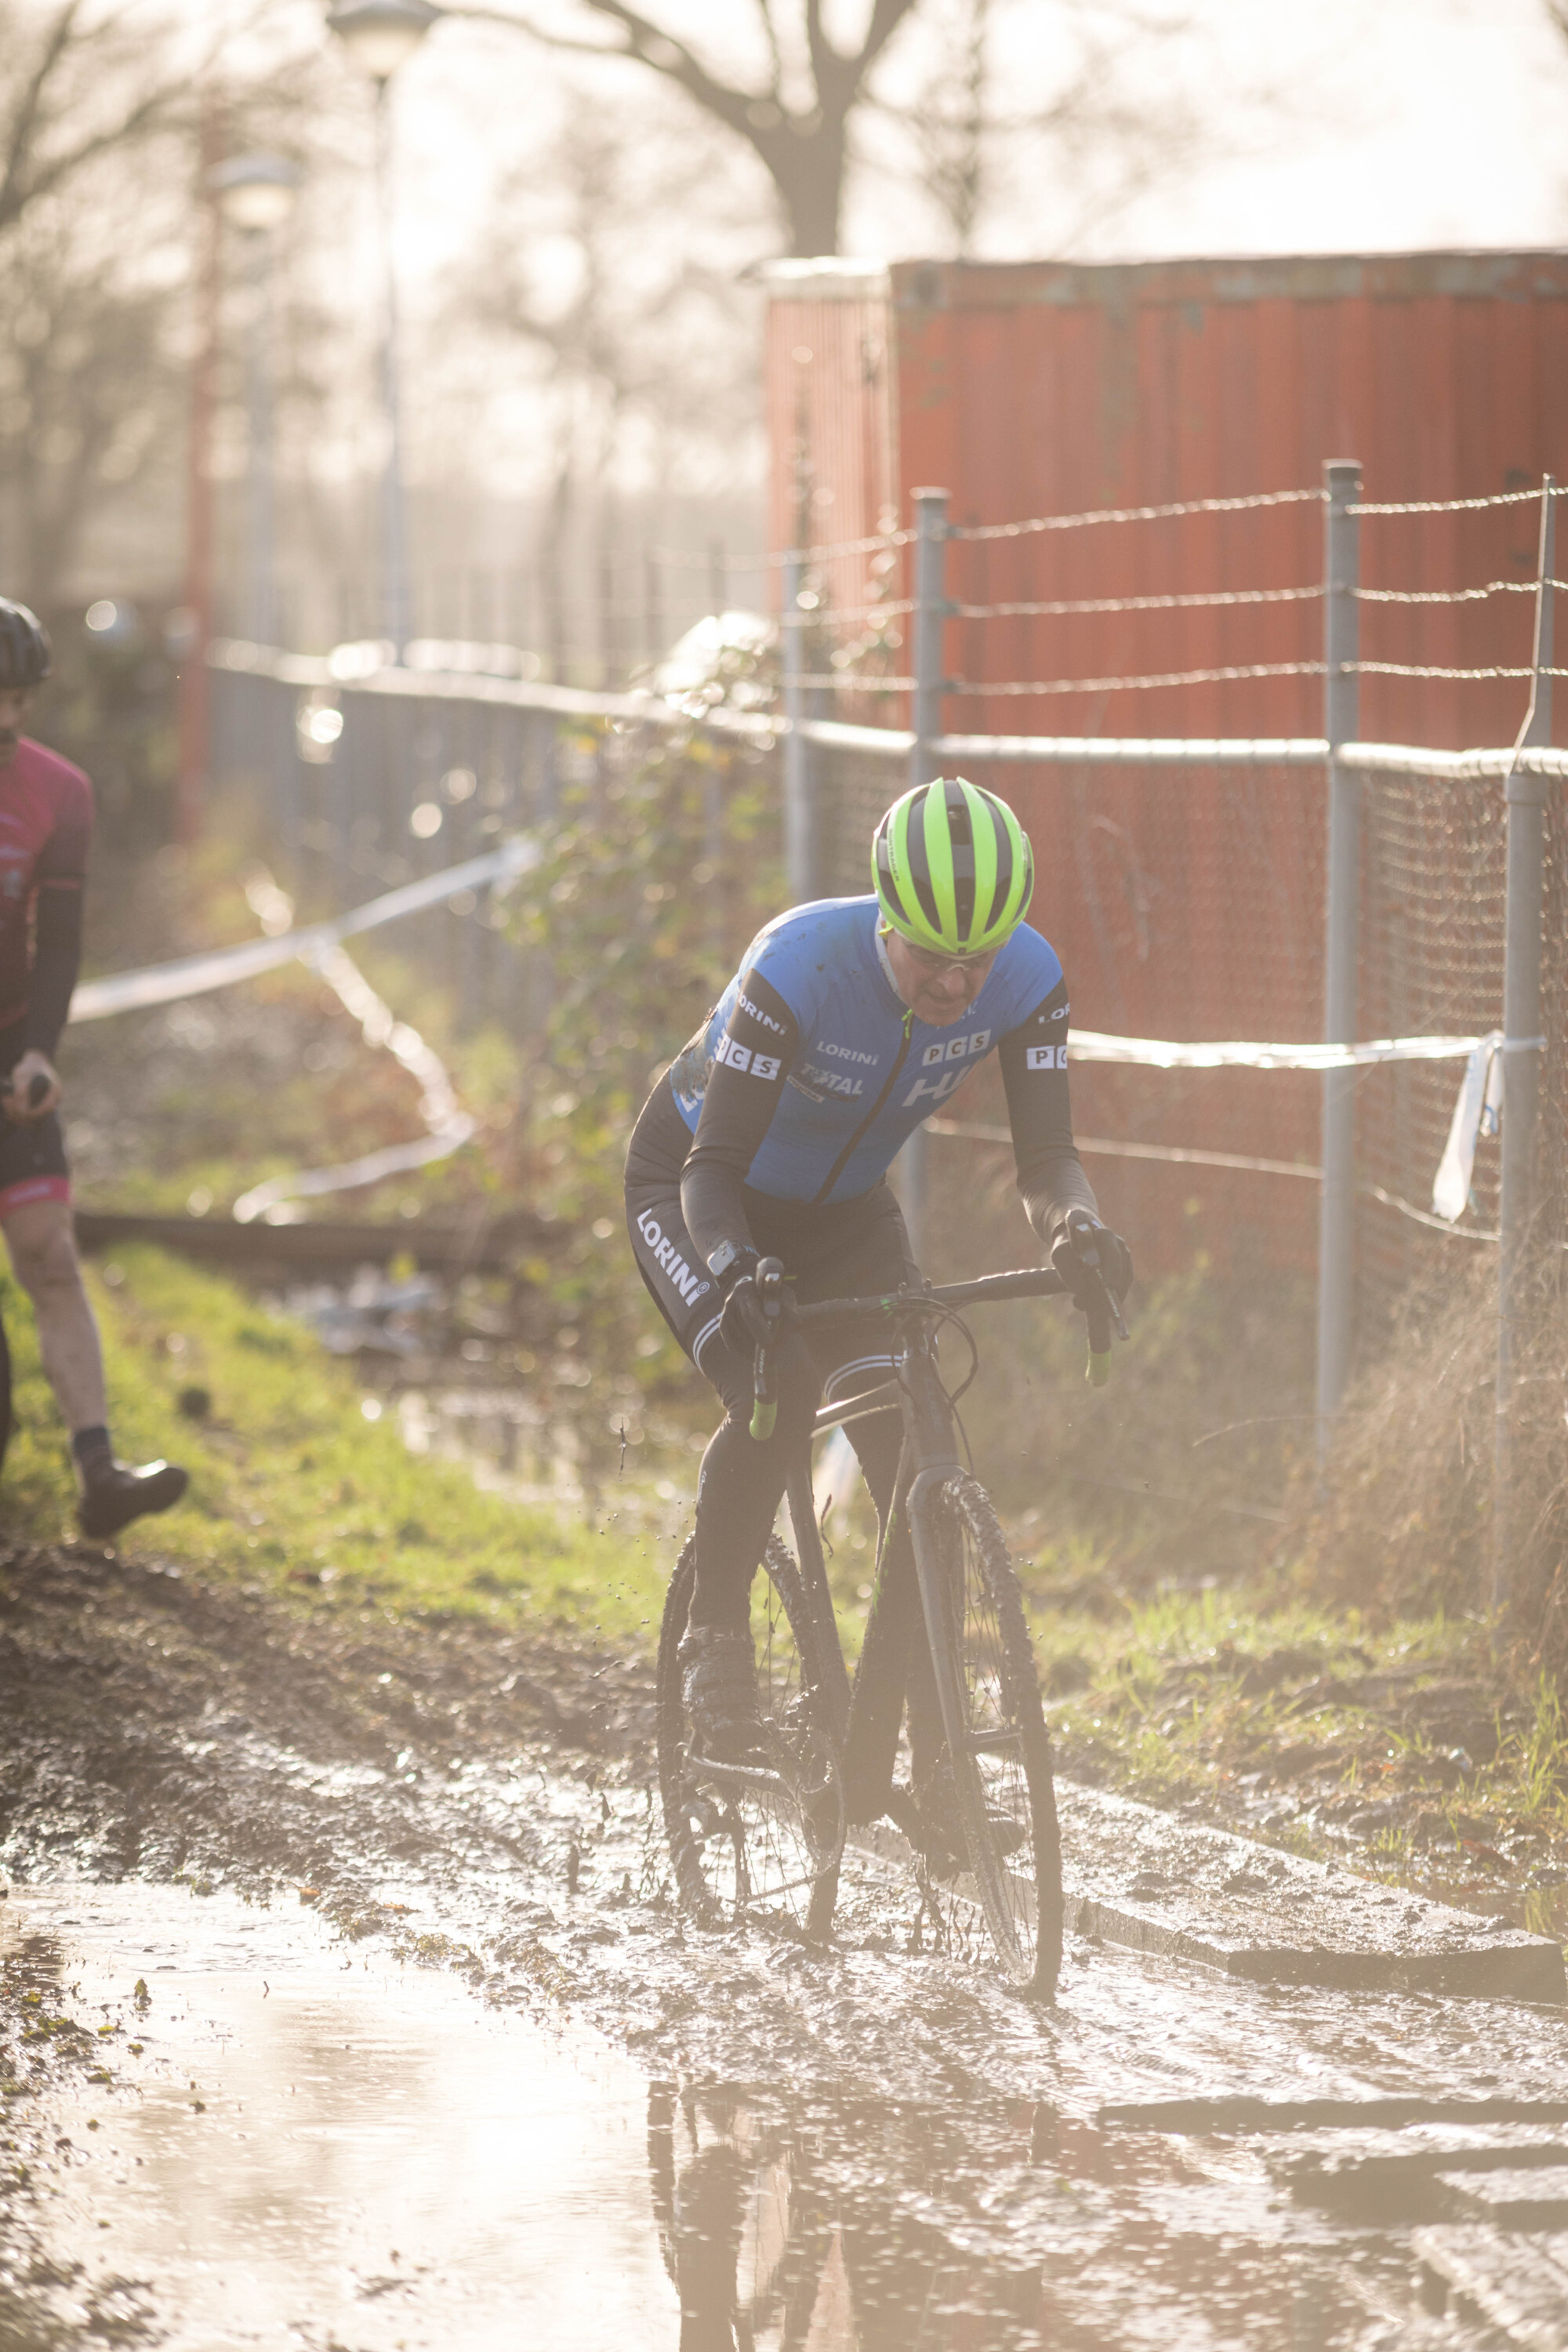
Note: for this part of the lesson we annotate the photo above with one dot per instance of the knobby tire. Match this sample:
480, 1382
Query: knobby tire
712, 1907
961, 1507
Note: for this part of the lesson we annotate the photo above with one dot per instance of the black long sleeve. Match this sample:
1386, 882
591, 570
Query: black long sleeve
740, 1093
1035, 1072
57, 962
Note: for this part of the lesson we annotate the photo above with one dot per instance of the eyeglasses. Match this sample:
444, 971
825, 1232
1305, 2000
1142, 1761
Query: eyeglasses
936, 965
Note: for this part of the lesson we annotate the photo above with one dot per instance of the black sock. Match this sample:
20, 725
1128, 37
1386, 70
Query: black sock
92, 1450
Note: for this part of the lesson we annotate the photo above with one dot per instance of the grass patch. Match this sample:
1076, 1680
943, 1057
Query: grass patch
292, 1490
1398, 1742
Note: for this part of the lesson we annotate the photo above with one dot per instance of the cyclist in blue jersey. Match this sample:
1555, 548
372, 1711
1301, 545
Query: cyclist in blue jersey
849, 1022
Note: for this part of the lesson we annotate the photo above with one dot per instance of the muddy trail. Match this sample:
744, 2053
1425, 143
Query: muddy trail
344, 2004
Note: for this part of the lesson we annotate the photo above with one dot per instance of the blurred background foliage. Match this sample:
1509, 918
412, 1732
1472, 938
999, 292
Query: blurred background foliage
660, 867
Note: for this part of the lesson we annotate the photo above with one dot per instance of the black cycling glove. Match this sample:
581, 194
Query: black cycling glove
1085, 1247
744, 1323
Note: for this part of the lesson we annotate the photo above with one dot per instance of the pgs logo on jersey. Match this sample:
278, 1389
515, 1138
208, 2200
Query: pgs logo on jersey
741, 1057
1045, 1058
947, 1053
956, 1049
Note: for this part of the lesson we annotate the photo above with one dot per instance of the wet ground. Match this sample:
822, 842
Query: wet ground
423, 2056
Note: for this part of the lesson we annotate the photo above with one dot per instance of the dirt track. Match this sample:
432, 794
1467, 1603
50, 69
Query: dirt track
473, 1801
162, 1727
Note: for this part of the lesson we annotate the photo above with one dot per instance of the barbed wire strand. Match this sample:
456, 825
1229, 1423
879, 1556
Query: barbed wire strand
1132, 685
828, 552
1434, 669
850, 683
1450, 595
1100, 1147
1205, 598
1136, 514
1449, 505
846, 682
1065, 608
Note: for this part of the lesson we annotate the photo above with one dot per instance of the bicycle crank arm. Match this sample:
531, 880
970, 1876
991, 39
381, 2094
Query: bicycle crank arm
748, 1778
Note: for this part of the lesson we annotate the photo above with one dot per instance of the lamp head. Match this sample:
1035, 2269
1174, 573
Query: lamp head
379, 35
256, 192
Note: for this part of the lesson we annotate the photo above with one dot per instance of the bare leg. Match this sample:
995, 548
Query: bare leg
42, 1243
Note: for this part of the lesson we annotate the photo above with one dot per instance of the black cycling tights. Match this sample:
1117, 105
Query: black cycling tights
741, 1486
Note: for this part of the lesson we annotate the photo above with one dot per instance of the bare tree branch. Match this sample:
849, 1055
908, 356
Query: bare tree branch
771, 35
804, 151
28, 175
25, 119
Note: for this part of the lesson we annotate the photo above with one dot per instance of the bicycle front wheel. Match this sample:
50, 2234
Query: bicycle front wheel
747, 1838
998, 1747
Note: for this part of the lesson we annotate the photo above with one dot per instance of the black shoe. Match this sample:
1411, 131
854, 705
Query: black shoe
718, 1690
117, 1494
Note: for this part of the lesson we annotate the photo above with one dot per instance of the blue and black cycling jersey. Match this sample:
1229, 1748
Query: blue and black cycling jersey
810, 1073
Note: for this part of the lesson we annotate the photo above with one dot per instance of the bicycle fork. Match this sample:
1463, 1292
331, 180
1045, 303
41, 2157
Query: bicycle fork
931, 1442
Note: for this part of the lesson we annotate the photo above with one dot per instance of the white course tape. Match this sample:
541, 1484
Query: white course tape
166, 984
1158, 1054
448, 1126
1478, 1112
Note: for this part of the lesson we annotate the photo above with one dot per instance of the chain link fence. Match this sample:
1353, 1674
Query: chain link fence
1434, 869
351, 791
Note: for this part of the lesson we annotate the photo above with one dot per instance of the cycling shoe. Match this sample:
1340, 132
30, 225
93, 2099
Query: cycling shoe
118, 1493
718, 1690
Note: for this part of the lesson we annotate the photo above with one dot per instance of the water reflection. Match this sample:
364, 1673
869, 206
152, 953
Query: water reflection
472, 1371
851, 2227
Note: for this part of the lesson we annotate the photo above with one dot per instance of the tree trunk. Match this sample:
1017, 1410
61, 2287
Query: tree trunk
807, 170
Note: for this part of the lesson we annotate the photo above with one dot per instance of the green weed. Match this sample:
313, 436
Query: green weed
292, 1490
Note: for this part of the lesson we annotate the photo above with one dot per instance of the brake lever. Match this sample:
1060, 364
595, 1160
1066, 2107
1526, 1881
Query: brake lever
768, 1278
1102, 1312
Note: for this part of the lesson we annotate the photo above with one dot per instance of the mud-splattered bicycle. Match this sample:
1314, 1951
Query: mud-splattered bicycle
768, 1839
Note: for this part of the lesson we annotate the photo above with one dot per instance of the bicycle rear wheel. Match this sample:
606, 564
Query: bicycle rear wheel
998, 1747
743, 1839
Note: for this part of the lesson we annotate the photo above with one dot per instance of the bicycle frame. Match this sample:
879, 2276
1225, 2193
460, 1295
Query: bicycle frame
981, 1786
929, 1453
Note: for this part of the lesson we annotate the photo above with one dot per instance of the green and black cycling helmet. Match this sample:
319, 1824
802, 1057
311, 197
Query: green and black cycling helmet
24, 655
952, 868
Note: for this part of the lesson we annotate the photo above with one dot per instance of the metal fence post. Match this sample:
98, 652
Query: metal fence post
799, 765
930, 613
929, 616
1522, 1020
1341, 719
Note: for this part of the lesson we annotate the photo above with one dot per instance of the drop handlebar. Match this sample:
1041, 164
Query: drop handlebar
1100, 1309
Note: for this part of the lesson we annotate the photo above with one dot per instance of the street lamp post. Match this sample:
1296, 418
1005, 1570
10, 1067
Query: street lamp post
255, 195
379, 35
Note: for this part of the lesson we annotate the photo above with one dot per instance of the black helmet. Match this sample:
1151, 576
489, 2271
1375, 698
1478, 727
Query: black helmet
24, 657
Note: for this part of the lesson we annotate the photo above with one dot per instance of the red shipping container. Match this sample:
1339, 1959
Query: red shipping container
1184, 903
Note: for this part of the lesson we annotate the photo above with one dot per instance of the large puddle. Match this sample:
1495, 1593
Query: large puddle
305, 2146
303, 2143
